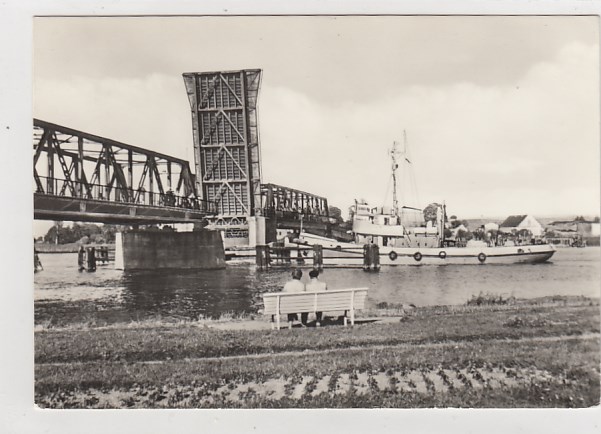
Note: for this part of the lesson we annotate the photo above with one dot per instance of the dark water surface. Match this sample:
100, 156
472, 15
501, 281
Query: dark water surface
63, 295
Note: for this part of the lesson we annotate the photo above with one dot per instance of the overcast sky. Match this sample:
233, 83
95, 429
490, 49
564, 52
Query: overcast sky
501, 113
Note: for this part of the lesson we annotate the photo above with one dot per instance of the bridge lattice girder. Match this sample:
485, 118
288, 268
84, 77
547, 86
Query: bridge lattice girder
124, 179
226, 140
289, 204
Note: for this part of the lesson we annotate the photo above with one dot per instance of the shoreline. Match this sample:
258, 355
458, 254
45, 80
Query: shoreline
48, 249
529, 353
381, 313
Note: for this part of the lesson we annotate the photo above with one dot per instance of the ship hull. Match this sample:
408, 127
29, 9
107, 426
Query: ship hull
336, 253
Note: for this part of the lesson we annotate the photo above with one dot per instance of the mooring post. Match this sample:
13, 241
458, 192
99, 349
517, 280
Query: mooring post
259, 256
371, 257
263, 258
91, 258
81, 258
375, 257
103, 254
366, 258
267, 256
318, 256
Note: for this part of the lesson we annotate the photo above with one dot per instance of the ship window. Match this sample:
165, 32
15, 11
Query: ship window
386, 219
384, 241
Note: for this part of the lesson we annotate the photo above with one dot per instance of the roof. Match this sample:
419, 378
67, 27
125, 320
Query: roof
564, 226
513, 221
477, 223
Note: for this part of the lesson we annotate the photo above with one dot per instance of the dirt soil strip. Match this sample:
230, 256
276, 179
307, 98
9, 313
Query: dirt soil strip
423, 382
585, 336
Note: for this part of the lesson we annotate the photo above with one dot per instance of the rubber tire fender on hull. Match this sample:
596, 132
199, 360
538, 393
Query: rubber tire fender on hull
482, 257
393, 255
417, 256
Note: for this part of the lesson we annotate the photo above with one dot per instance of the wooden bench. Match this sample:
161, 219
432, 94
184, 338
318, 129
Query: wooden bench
281, 303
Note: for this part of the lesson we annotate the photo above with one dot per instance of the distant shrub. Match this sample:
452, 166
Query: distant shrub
518, 321
489, 299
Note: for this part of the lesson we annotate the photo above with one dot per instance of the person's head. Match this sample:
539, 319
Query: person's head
313, 274
297, 274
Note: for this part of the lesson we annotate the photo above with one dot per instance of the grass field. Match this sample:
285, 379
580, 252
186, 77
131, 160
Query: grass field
490, 353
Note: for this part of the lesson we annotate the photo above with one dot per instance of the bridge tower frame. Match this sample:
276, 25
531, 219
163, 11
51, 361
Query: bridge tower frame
226, 142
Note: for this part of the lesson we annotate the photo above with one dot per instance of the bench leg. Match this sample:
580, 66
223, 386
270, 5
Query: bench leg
345, 318
277, 319
304, 318
352, 317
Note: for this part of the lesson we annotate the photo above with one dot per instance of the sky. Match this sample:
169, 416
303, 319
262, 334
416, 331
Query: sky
501, 114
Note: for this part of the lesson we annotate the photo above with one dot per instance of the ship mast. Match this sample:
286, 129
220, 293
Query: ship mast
395, 153
395, 201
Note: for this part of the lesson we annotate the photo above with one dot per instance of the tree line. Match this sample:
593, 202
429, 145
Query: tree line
84, 233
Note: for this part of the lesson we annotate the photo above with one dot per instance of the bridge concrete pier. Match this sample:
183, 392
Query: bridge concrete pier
201, 250
256, 231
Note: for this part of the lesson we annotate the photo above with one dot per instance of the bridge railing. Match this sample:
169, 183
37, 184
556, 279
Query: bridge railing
306, 215
80, 190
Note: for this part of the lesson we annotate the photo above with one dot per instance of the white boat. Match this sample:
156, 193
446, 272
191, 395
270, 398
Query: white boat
339, 253
403, 240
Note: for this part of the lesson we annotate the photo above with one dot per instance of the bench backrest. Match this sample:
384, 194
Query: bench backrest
319, 301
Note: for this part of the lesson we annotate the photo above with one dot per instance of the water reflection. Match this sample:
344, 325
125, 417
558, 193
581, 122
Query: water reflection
63, 294
198, 292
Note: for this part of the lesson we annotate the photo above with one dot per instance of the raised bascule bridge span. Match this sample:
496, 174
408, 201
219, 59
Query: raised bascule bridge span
79, 176
227, 156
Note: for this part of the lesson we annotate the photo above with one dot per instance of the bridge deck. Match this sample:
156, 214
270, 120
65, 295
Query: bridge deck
52, 207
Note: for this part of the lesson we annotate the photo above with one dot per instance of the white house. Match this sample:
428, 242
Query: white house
519, 222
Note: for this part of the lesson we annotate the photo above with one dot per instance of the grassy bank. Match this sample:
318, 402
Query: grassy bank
515, 354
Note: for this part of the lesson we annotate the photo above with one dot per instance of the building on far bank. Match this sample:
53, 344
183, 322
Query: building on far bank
574, 232
516, 223
588, 229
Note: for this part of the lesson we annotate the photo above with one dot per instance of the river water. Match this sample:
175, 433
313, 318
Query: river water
64, 295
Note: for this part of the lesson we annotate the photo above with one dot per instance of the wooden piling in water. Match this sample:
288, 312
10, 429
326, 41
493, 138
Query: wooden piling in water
371, 257
263, 257
103, 254
318, 256
91, 259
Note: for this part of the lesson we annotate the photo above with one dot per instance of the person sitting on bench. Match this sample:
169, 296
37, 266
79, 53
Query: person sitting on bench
316, 285
295, 285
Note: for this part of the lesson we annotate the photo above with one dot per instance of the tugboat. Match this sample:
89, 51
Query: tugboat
405, 238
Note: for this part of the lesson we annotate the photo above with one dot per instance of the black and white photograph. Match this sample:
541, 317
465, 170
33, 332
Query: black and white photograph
364, 211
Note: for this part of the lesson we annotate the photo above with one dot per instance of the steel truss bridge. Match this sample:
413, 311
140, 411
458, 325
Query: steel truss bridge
83, 177
294, 209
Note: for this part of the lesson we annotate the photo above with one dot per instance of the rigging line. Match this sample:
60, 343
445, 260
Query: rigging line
415, 191
387, 191
410, 175
411, 187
